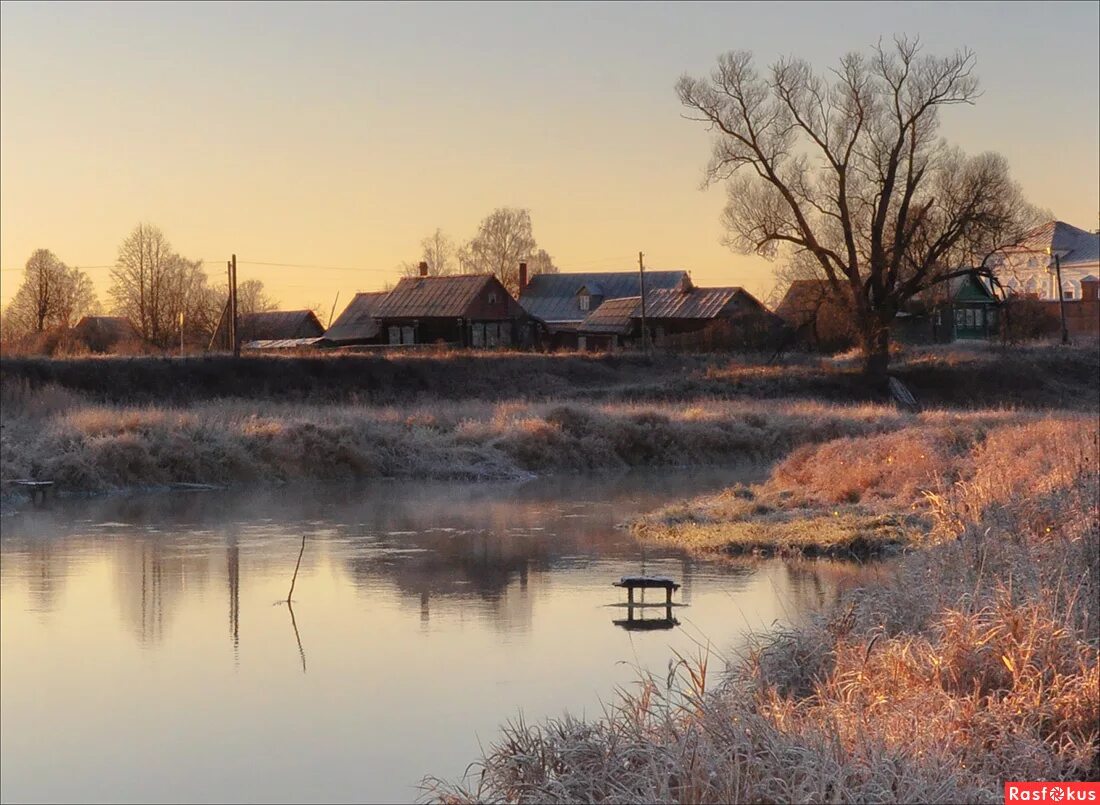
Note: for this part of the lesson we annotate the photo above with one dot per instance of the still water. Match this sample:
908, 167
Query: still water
145, 659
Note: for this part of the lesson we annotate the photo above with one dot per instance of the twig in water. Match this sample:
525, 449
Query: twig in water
295, 577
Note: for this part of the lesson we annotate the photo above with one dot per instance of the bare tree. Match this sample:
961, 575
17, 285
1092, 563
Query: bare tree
540, 262
251, 298
160, 291
503, 240
439, 252
849, 171
52, 296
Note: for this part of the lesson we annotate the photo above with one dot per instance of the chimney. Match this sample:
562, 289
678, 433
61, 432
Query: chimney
1090, 288
522, 276
423, 268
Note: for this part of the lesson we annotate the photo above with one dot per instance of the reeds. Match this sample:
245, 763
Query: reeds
972, 662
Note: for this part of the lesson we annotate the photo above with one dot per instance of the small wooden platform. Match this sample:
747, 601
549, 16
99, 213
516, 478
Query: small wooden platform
632, 583
38, 489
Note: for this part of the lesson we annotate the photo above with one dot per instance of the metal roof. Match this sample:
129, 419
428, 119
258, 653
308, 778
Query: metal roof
613, 316
1074, 245
461, 295
698, 303
553, 297
357, 322
280, 343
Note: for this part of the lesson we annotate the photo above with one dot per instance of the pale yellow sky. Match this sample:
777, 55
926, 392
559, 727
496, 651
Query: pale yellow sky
340, 135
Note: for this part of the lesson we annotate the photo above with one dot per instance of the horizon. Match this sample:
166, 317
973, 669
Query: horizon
302, 136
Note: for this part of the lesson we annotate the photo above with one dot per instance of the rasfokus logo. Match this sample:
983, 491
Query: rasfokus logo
1052, 792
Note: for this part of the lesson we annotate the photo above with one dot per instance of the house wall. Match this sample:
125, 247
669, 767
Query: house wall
1034, 273
478, 334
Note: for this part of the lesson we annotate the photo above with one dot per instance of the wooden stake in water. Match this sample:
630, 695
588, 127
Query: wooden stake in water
295, 577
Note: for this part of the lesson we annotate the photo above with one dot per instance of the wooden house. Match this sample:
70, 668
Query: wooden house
465, 310
358, 324
682, 317
561, 302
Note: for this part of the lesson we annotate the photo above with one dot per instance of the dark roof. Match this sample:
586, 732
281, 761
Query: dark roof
553, 297
357, 322
279, 324
613, 316
105, 330
461, 295
697, 303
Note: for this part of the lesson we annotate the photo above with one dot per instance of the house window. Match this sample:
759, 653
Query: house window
586, 301
492, 297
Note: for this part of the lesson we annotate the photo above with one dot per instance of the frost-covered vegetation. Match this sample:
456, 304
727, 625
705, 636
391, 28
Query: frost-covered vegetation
965, 664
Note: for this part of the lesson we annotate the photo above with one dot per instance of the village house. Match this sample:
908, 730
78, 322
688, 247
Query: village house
561, 302
684, 317
963, 307
465, 310
1029, 267
358, 324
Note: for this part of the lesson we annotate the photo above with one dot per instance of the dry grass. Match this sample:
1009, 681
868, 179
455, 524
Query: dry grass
969, 663
858, 496
51, 433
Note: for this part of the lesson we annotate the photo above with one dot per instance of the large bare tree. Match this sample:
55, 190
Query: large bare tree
52, 296
157, 289
503, 240
848, 171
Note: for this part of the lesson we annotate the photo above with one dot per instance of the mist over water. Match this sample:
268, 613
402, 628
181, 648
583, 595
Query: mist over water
149, 654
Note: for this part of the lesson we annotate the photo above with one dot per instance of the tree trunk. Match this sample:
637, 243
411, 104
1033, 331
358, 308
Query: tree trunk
875, 343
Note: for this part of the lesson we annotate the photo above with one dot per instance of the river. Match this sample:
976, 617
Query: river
146, 656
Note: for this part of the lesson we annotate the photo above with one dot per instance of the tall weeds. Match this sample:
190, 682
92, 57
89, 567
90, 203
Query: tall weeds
973, 662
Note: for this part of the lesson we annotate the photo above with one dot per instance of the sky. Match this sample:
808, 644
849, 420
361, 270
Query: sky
331, 138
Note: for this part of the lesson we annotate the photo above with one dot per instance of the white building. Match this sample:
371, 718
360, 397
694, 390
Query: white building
1029, 267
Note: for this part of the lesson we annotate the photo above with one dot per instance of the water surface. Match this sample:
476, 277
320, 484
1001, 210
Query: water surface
145, 659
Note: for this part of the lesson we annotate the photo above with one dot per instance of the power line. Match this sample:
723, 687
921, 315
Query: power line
309, 265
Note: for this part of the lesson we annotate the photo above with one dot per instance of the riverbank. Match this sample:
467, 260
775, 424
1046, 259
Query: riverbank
856, 497
91, 427
967, 663
962, 375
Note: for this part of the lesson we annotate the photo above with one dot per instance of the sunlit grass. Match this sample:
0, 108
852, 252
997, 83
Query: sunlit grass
961, 665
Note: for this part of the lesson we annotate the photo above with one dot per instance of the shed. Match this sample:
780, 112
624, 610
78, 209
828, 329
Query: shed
274, 325
468, 310
358, 323
103, 333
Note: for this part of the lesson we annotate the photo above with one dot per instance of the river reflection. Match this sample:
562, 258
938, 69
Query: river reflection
149, 653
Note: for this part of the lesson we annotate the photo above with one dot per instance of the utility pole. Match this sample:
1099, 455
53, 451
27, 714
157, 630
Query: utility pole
233, 298
1061, 296
229, 305
641, 281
